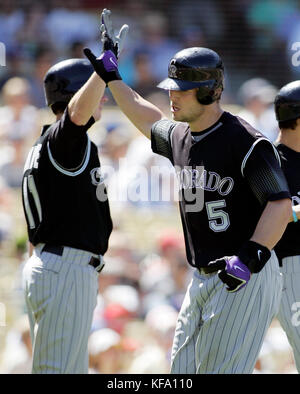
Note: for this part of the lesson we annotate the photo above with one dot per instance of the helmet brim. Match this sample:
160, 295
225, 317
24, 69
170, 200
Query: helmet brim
178, 84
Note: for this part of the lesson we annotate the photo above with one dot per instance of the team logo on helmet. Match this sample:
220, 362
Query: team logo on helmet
172, 71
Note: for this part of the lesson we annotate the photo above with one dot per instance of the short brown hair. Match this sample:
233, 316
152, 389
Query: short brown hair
288, 124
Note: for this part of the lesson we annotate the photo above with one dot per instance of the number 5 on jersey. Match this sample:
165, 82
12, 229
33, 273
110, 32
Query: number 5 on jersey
218, 219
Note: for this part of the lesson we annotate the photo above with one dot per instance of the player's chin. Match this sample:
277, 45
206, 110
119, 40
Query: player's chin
176, 116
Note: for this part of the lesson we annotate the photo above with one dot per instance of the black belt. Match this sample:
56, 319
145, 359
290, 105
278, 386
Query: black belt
207, 270
58, 250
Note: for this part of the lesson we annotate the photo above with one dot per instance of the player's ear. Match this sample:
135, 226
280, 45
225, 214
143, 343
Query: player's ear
219, 90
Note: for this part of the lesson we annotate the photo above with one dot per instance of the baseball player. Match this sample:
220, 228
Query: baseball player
68, 226
223, 165
287, 108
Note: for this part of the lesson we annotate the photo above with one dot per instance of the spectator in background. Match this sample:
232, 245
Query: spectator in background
271, 18
141, 352
149, 180
145, 79
6, 209
257, 97
11, 21
76, 50
118, 305
43, 60
204, 13
172, 250
115, 273
115, 144
12, 171
18, 117
275, 356
165, 274
180, 274
18, 349
14, 66
193, 36
161, 320
157, 43
121, 305
70, 22
123, 247
105, 352
119, 299
266, 18
18, 126
135, 13
149, 359
116, 166
289, 19
151, 340
129, 168
33, 33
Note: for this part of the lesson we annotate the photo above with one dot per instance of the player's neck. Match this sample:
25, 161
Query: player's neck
210, 116
291, 139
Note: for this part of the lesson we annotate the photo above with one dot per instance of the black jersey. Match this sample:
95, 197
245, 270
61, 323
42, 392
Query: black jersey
221, 198
61, 189
289, 244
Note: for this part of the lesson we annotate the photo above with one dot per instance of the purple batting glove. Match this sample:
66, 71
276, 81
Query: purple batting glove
236, 274
233, 272
106, 65
109, 60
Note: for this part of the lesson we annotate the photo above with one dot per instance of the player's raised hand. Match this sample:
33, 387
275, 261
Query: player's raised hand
106, 65
112, 41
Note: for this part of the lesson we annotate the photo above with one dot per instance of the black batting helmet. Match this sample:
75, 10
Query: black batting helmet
287, 102
63, 80
196, 67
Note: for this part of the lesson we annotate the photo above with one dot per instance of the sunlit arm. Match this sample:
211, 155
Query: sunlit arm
84, 103
272, 223
139, 111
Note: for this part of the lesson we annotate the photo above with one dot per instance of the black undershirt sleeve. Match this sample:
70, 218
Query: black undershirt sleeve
160, 138
264, 174
68, 141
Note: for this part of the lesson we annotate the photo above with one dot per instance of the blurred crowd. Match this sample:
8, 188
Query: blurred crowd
254, 37
146, 272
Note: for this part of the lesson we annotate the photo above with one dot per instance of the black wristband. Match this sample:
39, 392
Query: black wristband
254, 256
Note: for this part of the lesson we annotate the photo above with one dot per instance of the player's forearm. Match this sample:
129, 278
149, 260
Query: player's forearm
272, 223
138, 110
84, 103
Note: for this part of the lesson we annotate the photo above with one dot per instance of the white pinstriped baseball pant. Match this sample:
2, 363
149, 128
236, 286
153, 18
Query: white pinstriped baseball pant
289, 311
219, 332
60, 294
